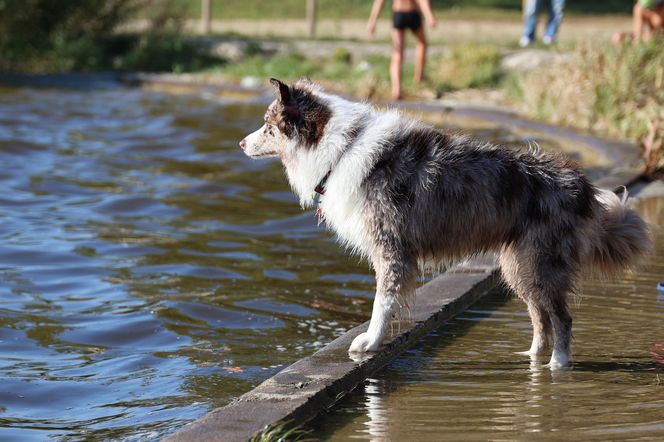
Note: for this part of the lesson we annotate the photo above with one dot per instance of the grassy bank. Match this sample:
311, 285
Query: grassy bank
461, 67
339, 9
151, 52
613, 91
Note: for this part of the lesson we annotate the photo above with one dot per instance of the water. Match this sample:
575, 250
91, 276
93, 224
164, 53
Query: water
149, 271
465, 382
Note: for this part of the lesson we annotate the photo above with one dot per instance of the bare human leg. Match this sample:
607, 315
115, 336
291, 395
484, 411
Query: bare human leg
420, 54
396, 62
637, 23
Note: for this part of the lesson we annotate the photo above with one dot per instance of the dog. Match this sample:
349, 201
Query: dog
408, 196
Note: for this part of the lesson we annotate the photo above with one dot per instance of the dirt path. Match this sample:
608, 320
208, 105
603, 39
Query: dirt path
448, 30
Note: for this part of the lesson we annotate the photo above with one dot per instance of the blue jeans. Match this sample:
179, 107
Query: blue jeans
533, 8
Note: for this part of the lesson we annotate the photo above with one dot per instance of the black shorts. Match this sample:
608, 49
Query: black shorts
407, 20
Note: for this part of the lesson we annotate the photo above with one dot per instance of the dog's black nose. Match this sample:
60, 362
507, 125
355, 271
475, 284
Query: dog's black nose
243, 144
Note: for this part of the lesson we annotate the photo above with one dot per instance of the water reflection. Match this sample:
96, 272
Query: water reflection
377, 414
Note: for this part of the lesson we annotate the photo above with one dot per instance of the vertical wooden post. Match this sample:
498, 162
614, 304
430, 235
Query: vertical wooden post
311, 17
206, 15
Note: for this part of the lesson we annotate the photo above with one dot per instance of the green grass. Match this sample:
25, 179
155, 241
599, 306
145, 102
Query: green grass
466, 66
146, 52
280, 432
340, 9
366, 78
463, 66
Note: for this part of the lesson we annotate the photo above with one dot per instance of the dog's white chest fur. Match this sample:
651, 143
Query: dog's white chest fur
343, 204
343, 212
345, 197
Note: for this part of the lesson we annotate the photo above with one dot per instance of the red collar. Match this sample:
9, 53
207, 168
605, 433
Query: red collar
353, 133
320, 187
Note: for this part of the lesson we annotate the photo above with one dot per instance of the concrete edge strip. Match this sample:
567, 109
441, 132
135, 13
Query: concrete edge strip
313, 384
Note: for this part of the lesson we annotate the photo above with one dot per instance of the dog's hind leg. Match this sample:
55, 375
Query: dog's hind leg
517, 273
555, 278
395, 293
543, 268
561, 320
541, 328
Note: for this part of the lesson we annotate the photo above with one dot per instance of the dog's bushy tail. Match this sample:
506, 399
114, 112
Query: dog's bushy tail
622, 238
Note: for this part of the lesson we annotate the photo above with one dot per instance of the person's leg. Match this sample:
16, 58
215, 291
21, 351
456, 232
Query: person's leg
656, 20
530, 21
637, 22
396, 62
420, 53
556, 10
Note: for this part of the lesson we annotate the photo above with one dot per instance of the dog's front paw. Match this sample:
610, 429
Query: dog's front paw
364, 343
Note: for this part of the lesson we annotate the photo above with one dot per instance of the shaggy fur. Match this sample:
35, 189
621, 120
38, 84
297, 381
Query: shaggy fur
406, 195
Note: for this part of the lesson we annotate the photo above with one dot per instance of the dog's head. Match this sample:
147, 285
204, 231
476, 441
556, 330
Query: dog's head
295, 120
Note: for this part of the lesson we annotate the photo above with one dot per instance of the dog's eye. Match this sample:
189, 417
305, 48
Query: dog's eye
268, 129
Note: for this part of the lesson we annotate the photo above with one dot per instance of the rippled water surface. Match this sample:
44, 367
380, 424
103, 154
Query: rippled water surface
465, 382
149, 271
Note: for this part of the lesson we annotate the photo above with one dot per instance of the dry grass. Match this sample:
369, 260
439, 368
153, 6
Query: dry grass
466, 66
615, 91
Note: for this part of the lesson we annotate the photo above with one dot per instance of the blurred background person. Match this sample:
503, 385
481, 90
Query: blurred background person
647, 15
406, 14
647, 18
531, 13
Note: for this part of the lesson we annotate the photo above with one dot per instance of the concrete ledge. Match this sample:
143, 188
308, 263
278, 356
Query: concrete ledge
622, 155
313, 384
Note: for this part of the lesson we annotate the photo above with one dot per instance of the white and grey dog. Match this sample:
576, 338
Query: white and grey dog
406, 195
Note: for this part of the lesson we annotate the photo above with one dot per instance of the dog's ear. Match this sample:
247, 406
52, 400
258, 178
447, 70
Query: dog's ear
286, 111
288, 108
282, 90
